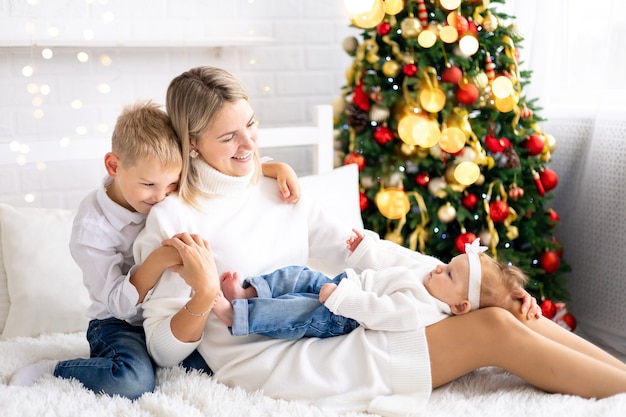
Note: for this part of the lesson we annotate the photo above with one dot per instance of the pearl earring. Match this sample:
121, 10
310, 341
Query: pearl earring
193, 154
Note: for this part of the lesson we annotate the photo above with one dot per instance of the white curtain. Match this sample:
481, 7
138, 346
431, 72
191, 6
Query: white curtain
577, 52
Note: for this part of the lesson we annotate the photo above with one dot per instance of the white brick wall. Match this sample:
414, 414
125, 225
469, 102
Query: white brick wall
298, 64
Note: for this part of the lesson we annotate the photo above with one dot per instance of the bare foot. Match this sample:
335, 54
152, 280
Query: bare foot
223, 309
233, 290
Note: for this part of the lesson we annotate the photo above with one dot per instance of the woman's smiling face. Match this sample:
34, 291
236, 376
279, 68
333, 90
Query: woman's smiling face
228, 144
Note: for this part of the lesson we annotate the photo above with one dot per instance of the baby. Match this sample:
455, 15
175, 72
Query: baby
294, 301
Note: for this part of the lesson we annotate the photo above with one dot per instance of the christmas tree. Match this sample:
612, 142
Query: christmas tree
448, 146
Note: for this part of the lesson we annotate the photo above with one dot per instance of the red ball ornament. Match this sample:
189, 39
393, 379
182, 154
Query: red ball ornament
355, 158
515, 192
462, 25
383, 135
472, 28
409, 70
549, 261
548, 309
451, 75
499, 211
553, 215
383, 28
467, 94
462, 239
534, 144
570, 321
549, 179
422, 179
469, 201
363, 202
495, 145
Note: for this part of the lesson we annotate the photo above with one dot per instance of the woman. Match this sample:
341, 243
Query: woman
222, 199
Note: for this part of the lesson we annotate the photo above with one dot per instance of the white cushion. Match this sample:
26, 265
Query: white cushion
337, 192
44, 284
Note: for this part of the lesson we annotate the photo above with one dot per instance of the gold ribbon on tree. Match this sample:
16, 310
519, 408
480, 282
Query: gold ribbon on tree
419, 237
512, 231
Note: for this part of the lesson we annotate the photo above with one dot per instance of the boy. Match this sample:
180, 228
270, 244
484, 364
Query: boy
143, 167
397, 298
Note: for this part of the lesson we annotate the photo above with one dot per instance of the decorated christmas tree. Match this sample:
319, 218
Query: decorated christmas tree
448, 146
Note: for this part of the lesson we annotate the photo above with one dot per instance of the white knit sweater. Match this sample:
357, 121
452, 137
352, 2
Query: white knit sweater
252, 231
391, 299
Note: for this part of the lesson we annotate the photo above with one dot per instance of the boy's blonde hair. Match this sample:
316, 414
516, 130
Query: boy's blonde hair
499, 280
143, 130
193, 100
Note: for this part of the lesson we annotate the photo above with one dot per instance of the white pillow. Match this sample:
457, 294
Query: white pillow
337, 192
44, 284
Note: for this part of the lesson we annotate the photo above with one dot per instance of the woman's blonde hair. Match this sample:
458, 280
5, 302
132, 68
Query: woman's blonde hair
499, 280
193, 100
143, 130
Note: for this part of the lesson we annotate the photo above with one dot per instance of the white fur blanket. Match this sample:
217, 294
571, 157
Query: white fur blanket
486, 392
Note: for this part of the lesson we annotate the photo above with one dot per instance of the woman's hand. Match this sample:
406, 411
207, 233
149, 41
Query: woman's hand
529, 303
197, 266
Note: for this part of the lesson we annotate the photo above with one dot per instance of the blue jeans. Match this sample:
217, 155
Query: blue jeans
288, 307
119, 363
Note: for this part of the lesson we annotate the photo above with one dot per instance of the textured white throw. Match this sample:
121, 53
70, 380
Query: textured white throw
486, 392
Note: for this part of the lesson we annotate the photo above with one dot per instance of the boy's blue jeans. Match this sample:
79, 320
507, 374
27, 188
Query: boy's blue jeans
119, 363
288, 307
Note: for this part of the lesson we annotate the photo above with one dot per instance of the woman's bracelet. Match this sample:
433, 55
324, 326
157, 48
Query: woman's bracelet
195, 314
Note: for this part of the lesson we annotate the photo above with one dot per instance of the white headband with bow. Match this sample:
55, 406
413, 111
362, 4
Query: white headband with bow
475, 274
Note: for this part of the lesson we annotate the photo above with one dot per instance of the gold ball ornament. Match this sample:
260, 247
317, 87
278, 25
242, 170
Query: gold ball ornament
449, 175
350, 44
468, 154
411, 28
489, 22
435, 152
550, 142
480, 80
391, 68
446, 213
515, 31
393, 203
367, 181
407, 149
436, 187
485, 237
379, 113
